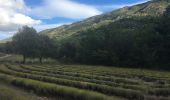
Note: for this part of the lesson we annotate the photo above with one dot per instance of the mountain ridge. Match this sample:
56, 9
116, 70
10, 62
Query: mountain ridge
150, 8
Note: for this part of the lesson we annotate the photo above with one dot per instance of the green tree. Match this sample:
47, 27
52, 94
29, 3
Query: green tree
164, 24
26, 42
46, 47
67, 50
163, 28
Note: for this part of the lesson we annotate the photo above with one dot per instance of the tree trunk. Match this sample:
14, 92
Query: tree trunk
24, 59
41, 60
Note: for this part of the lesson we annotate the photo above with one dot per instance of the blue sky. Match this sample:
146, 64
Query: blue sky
44, 14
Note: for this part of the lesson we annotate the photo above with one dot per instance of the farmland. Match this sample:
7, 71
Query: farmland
85, 82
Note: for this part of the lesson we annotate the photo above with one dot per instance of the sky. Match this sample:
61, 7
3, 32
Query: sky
45, 14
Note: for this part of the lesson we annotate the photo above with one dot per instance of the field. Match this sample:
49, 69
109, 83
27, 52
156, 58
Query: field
82, 82
9, 92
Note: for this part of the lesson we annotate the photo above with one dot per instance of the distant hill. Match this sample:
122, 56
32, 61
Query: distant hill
6, 40
151, 8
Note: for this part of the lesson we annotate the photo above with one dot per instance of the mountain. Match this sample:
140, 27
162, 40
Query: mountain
137, 36
151, 8
6, 40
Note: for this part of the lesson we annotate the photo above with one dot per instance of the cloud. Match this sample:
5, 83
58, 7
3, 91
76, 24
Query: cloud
63, 8
11, 16
4, 35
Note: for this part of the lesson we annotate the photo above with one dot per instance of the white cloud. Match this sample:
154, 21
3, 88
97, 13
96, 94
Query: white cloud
4, 35
11, 16
15, 4
63, 8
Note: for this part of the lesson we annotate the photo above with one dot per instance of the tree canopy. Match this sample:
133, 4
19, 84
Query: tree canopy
30, 44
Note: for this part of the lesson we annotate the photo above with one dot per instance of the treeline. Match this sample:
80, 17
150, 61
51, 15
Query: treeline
30, 44
137, 41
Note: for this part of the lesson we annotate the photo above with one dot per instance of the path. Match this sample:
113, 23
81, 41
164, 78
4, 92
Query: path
5, 56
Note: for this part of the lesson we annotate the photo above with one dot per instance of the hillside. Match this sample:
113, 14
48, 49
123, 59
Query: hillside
136, 36
151, 8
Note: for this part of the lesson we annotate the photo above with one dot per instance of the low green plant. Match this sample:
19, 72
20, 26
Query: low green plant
127, 93
49, 89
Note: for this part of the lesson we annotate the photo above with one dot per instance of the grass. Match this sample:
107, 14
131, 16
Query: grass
1, 54
9, 92
131, 94
135, 87
89, 76
18, 59
49, 89
85, 82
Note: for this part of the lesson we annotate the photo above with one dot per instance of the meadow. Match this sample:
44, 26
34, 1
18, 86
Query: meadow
82, 82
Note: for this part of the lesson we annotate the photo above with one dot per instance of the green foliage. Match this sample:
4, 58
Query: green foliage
128, 42
53, 89
136, 36
30, 44
26, 41
114, 82
9, 92
163, 29
89, 83
127, 93
46, 47
151, 8
160, 92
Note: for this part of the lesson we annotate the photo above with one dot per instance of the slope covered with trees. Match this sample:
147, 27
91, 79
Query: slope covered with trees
135, 41
140, 38
150, 8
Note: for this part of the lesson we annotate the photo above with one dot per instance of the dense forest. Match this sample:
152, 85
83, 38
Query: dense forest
136, 42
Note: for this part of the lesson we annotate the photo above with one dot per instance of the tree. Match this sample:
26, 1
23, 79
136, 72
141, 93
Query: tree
26, 42
67, 50
46, 47
163, 29
164, 24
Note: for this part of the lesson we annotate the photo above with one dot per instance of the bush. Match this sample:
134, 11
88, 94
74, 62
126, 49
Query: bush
53, 89
160, 92
127, 93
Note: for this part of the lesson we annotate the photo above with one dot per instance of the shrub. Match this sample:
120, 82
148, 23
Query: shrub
53, 89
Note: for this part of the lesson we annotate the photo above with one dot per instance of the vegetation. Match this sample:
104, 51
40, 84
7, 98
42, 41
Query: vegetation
74, 82
29, 44
49, 89
136, 41
8, 92
136, 37
151, 8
